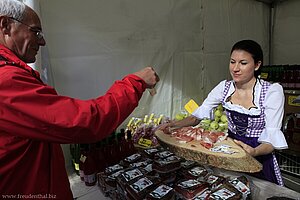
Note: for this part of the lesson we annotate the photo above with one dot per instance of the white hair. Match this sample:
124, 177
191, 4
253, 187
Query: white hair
12, 8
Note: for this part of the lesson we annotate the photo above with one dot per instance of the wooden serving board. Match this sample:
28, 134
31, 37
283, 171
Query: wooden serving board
239, 161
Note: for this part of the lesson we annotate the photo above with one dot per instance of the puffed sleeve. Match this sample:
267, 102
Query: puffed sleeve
212, 100
274, 110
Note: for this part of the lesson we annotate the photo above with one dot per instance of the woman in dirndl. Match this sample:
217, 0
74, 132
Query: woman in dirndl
254, 109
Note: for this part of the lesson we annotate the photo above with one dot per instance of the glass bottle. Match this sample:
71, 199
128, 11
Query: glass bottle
129, 143
76, 157
83, 154
297, 72
291, 82
284, 79
89, 168
100, 156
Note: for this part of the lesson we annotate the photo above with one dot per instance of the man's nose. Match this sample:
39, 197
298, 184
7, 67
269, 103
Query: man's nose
42, 42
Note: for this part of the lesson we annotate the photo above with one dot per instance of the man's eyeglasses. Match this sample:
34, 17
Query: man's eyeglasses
39, 33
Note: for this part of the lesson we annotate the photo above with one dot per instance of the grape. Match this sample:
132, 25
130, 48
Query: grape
218, 113
223, 118
214, 125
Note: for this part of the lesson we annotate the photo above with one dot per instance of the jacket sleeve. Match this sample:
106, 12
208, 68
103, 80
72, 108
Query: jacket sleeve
32, 110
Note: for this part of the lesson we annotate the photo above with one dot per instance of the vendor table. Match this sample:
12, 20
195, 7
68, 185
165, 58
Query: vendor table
261, 189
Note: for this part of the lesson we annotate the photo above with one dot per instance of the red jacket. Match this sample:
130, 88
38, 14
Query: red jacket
35, 120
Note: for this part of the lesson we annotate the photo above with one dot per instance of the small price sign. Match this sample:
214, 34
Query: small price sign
291, 99
264, 75
145, 142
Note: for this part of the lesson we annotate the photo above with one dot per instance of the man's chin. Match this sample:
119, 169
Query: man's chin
30, 60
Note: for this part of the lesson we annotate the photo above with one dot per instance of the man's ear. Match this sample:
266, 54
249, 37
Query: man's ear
5, 24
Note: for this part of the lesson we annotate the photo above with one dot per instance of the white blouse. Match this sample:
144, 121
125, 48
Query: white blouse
274, 110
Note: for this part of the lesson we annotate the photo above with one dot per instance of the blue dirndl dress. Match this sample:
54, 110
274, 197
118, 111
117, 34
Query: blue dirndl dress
247, 129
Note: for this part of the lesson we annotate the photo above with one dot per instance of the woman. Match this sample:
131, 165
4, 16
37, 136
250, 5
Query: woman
254, 108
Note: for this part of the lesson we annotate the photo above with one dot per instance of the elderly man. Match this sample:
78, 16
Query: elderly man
35, 120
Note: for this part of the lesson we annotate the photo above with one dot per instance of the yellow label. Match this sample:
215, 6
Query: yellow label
191, 106
264, 75
76, 166
291, 98
145, 142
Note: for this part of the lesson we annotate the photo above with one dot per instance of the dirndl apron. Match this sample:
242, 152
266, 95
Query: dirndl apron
247, 129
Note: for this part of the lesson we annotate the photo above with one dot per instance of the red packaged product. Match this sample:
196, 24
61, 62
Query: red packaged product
163, 154
127, 177
131, 159
140, 188
162, 192
203, 196
226, 191
189, 189
167, 165
168, 178
141, 163
150, 153
242, 184
111, 180
112, 169
197, 172
149, 170
187, 164
101, 176
214, 181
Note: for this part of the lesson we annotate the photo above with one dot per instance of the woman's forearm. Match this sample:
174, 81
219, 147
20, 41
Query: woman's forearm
263, 149
188, 121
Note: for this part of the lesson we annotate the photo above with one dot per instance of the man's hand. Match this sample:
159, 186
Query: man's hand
149, 76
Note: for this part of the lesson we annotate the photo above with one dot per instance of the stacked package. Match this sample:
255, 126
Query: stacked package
158, 174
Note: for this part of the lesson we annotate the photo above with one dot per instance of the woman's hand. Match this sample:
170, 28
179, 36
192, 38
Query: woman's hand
261, 149
188, 121
246, 147
166, 128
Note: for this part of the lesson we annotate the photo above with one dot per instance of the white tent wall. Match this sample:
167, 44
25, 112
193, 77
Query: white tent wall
95, 42
91, 44
286, 33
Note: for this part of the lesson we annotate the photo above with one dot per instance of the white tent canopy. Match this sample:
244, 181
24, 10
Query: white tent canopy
92, 43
